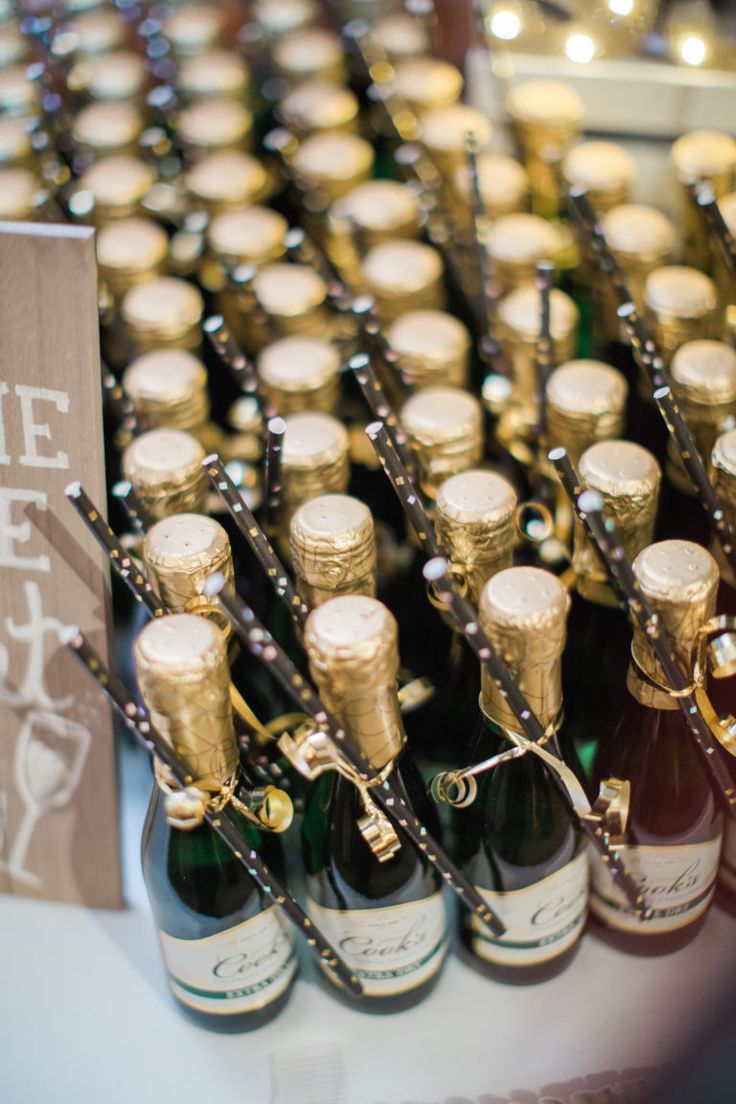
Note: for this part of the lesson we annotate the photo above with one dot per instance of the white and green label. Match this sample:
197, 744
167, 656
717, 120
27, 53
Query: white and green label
390, 949
238, 970
727, 873
541, 921
677, 884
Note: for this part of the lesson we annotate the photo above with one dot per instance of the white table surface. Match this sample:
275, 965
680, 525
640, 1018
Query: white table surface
85, 1017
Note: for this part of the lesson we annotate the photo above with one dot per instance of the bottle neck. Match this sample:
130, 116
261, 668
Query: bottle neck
541, 684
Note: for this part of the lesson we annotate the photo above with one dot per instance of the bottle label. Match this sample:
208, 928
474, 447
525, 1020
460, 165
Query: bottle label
727, 873
391, 950
541, 921
238, 970
677, 882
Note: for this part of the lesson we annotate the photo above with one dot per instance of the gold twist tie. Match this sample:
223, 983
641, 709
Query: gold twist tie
187, 806
312, 753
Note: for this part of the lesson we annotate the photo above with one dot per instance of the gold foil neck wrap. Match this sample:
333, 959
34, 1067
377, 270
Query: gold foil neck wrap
129, 251
680, 579
515, 244
184, 679
373, 212
523, 612
444, 131
15, 142
445, 429
546, 116
681, 305
586, 402
279, 17
400, 35
164, 467
606, 171
352, 646
218, 73
704, 380
226, 179
475, 516
180, 552
723, 469
18, 191
317, 106
503, 183
193, 28
168, 388
163, 311
333, 548
105, 128
300, 373
308, 54
247, 235
333, 162
403, 276
628, 478
315, 459
704, 155
118, 184
425, 83
431, 347
215, 124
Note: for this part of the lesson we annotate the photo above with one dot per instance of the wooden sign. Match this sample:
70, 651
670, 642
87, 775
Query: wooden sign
58, 805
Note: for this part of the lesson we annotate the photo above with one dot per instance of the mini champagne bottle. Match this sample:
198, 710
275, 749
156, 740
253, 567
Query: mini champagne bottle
229, 955
675, 825
381, 904
519, 841
333, 548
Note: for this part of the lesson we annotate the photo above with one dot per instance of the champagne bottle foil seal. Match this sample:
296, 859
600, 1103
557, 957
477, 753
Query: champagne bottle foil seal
292, 299
16, 147
247, 235
18, 191
546, 116
503, 184
628, 478
681, 305
352, 646
180, 552
445, 429
194, 28
300, 373
400, 36
523, 612
106, 128
319, 105
216, 74
425, 83
680, 579
130, 251
13, 44
702, 156
226, 179
18, 93
333, 548
308, 54
586, 401
96, 32
703, 377
314, 458
117, 185
168, 388
164, 467
280, 17
444, 133
333, 163
516, 243
403, 276
432, 348
376, 211
184, 678
475, 521
605, 170
216, 124
723, 471
166, 311
120, 76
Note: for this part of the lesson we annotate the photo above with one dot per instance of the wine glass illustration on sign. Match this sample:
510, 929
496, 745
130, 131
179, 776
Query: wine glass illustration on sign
49, 759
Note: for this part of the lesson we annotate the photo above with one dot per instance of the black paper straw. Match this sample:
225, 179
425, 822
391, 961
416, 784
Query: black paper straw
131, 506
361, 367
544, 357
603, 531
706, 202
120, 559
261, 644
139, 724
490, 291
257, 539
275, 431
436, 572
405, 489
241, 368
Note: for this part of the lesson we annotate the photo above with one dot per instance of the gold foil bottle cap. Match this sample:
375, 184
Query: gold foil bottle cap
444, 132
289, 291
105, 127
606, 171
639, 235
503, 183
118, 76
225, 179
193, 28
475, 520
520, 312
300, 373
445, 428
724, 468
515, 244
680, 579
315, 458
545, 103
15, 141
184, 679
379, 209
166, 309
319, 105
215, 124
402, 275
333, 161
18, 94
168, 387
400, 36
426, 83
252, 235
432, 347
165, 468
279, 17
180, 552
586, 402
18, 189
118, 184
98, 32
523, 612
13, 44
333, 548
352, 646
219, 73
704, 375
628, 478
306, 54
129, 250
703, 154
680, 292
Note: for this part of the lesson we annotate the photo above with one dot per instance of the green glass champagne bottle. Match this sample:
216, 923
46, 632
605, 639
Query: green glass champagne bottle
675, 825
371, 893
229, 953
520, 844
